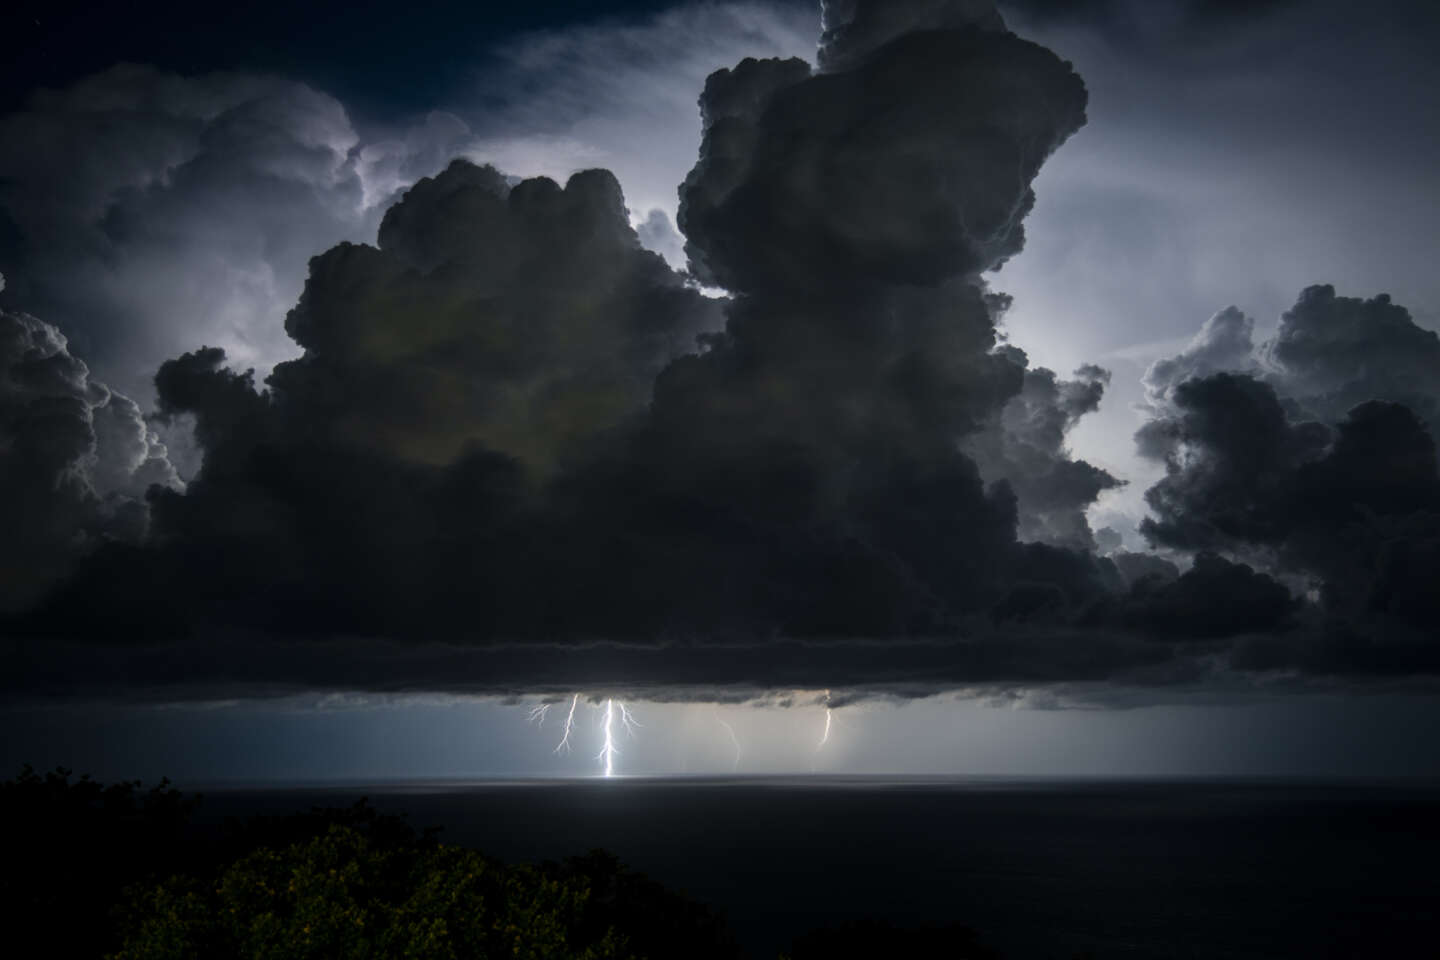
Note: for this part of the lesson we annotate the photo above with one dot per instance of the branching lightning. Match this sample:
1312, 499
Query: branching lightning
627, 719
564, 745
610, 712
608, 751
615, 715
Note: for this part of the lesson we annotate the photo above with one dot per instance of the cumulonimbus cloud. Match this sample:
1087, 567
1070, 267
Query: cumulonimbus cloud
1315, 459
147, 212
75, 461
520, 451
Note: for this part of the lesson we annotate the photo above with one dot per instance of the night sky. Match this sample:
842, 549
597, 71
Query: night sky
904, 387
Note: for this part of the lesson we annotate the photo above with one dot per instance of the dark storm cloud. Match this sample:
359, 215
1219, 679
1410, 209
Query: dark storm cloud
805, 182
1352, 507
1025, 446
490, 435
1328, 354
146, 213
75, 461
524, 320
520, 452
242, 664
1332, 353
1231, 454
1224, 343
1213, 599
391, 481
1320, 463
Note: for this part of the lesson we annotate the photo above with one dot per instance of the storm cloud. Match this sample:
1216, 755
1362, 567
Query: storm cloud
146, 212
75, 461
1318, 463
519, 451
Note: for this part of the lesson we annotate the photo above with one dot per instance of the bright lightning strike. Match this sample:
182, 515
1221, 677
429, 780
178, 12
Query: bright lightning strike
608, 751
564, 745
612, 711
825, 736
627, 719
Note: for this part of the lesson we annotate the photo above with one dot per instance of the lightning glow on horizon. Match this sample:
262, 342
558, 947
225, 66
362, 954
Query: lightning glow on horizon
614, 714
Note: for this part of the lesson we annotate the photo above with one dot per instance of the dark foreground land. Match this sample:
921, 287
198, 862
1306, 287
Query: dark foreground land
1038, 869
1218, 869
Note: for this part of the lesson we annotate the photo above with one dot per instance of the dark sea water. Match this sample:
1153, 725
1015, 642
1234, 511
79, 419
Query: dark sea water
1041, 868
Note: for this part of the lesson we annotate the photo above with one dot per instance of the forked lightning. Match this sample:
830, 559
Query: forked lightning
564, 744
609, 713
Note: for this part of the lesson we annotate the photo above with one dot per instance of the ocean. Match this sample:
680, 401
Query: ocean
1132, 870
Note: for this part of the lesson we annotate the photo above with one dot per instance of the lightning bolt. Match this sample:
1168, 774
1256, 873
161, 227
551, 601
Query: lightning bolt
627, 719
564, 745
734, 740
613, 711
608, 751
824, 734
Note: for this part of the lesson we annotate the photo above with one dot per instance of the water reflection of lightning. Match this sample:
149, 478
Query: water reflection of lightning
564, 745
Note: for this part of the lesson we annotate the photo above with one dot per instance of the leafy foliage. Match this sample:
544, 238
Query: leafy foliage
336, 883
71, 846
122, 872
342, 895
